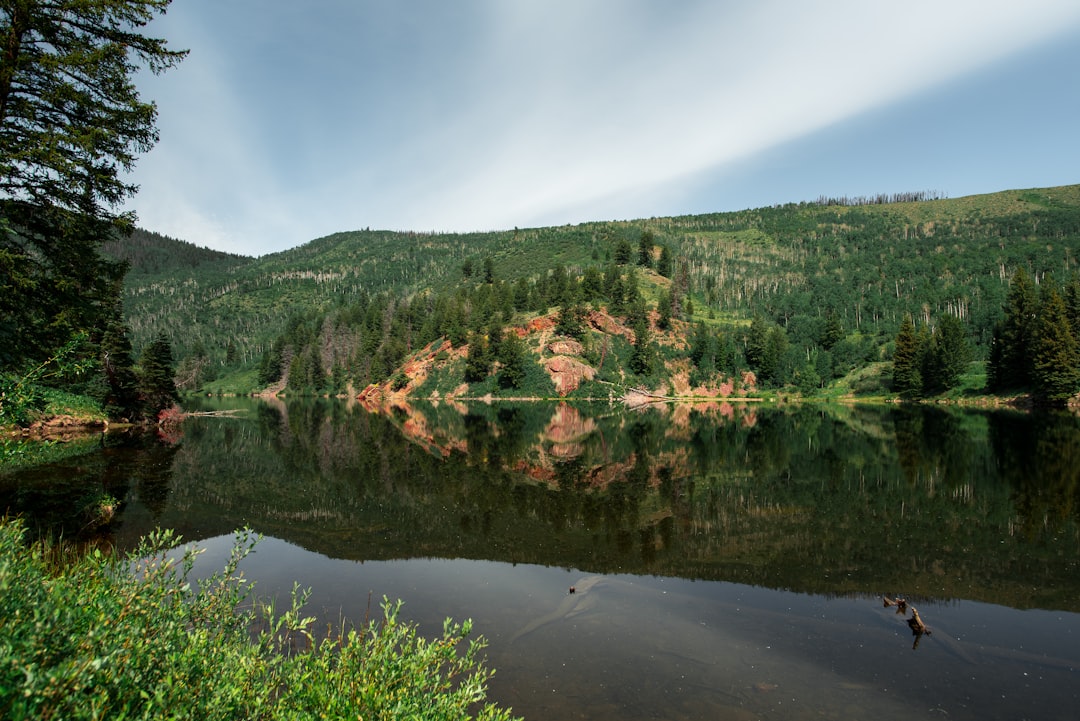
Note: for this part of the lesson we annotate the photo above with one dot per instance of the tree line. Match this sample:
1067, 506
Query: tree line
72, 124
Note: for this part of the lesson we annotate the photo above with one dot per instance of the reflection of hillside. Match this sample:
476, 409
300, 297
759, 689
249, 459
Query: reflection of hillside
929, 504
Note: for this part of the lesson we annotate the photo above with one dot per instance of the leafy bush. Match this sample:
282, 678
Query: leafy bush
106, 637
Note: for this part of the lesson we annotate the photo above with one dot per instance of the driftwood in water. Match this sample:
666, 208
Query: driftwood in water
915, 623
918, 628
901, 604
214, 414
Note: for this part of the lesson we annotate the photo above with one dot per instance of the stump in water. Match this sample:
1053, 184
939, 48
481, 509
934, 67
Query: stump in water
918, 628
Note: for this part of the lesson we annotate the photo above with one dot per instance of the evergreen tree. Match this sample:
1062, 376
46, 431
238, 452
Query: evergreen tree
1012, 366
663, 310
71, 126
512, 360
122, 396
645, 246
1055, 355
592, 284
947, 357
478, 363
1072, 305
663, 266
270, 366
907, 361
571, 321
773, 366
833, 332
622, 252
756, 342
156, 377
704, 353
643, 355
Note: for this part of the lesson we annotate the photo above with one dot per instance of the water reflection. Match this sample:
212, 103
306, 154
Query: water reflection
741, 552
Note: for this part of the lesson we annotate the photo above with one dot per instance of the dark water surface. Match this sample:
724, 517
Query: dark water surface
729, 562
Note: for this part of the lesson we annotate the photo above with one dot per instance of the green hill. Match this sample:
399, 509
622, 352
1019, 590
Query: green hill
838, 278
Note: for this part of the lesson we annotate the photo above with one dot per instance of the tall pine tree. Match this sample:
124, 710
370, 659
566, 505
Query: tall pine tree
1010, 365
156, 376
71, 126
907, 361
1055, 354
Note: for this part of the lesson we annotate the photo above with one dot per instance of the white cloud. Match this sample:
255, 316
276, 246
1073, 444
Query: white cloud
530, 113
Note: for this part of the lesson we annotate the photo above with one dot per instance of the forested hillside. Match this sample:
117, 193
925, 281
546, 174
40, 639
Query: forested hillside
800, 294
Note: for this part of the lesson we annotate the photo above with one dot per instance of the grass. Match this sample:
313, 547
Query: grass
240, 382
100, 636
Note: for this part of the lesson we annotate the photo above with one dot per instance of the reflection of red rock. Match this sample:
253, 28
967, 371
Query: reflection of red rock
566, 451
567, 373
568, 426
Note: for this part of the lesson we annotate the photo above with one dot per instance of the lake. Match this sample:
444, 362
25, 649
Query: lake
729, 561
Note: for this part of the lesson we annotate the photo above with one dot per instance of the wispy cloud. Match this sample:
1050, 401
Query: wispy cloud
509, 114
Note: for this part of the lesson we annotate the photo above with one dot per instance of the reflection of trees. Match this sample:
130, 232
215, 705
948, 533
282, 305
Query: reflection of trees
1040, 458
54, 498
806, 498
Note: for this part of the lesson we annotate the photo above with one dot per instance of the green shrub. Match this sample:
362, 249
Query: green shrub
102, 636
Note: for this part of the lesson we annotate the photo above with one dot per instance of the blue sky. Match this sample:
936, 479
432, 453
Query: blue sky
290, 121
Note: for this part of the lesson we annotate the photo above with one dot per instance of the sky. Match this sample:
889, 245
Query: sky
293, 120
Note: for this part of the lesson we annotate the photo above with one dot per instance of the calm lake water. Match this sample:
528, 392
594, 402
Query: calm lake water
729, 562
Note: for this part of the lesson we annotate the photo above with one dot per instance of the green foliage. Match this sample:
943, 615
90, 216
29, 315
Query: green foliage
23, 394
71, 126
838, 280
643, 360
156, 377
478, 363
663, 266
1055, 358
645, 249
907, 361
101, 636
571, 321
1014, 336
71, 119
947, 357
512, 361
1035, 344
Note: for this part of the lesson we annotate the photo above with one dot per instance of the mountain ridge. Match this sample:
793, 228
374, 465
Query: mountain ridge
795, 265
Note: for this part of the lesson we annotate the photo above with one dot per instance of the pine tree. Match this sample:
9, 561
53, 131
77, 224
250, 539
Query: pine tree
645, 246
1055, 354
907, 361
1012, 366
571, 322
512, 360
947, 357
756, 342
663, 266
772, 368
156, 377
71, 126
478, 363
642, 356
122, 397
833, 332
